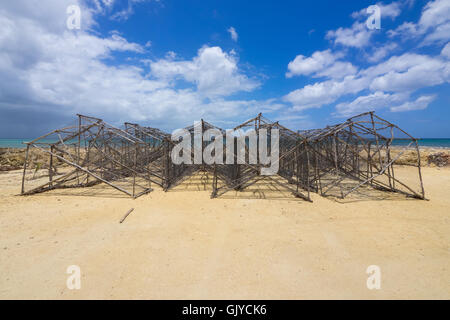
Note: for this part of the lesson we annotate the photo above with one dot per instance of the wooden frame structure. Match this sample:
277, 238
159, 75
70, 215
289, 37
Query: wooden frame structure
358, 153
94, 152
334, 161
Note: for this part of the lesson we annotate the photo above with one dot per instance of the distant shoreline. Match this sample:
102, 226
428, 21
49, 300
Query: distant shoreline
4, 146
425, 143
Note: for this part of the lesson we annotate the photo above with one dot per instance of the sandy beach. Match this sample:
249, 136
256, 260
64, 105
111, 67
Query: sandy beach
224, 150
257, 244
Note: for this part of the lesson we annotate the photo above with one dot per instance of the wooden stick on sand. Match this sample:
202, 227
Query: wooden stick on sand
126, 215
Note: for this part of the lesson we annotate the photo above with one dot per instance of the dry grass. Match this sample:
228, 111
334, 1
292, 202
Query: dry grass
13, 159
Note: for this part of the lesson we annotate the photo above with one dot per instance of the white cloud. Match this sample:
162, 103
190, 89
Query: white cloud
404, 73
381, 100
108, 3
170, 55
429, 73
49, 15
233, 33
381, 52
338, 70
391, 10
326, 92
419, 104
302, 65
124, 14
439, 35
320, 64
387, 84
44, 65
214, 72
435, 13
357, 36
406, 30
434, 22
395, 63
290, 119
371, 102
446, 51
101, 5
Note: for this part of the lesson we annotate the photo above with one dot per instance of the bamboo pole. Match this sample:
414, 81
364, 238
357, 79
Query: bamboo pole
25, 169
126, 215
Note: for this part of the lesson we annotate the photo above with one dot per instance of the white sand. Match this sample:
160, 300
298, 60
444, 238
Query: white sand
184, 245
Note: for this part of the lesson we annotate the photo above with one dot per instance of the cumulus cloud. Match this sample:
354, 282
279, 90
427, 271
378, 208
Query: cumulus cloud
233, 33
435, 13
47, 69
395, 102
302, 65
433, 25
446, 51
419, 104
384, 84
124, 14
371, 102
391, 10
44, 67
381, 52
322, 93
357, 36
320, 64
214, 72
404, 73
432, 71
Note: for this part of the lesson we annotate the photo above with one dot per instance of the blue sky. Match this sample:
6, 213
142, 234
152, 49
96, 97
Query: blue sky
168, 63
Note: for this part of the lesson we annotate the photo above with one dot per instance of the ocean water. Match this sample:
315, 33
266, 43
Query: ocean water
19, 143
437, 143
426, 142
12, 143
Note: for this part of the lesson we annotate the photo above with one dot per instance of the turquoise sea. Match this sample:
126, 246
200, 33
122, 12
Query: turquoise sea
437, 143
19, 143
